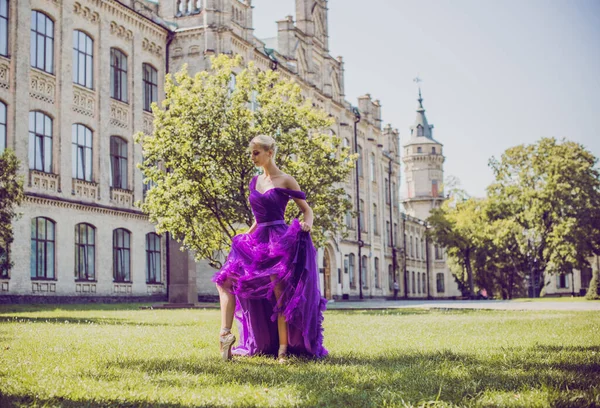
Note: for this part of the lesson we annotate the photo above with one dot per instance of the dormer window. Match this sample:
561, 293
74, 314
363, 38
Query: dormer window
420, 130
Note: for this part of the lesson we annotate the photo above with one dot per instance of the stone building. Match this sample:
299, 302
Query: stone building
84, 74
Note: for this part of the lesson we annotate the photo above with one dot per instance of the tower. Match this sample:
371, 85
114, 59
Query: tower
423, 166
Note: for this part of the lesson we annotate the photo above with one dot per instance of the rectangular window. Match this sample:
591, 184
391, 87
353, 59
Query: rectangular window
4, 27
562, 281
440, 282
85, 252
2, 126
42, 248
121, 255
153, 274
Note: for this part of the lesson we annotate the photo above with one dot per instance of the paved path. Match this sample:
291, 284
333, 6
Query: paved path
465, 304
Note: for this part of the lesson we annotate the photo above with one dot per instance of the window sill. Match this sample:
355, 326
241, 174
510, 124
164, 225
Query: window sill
44, 279
86, 281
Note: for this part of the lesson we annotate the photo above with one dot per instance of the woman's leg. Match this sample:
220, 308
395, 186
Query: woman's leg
282, 328
227, 302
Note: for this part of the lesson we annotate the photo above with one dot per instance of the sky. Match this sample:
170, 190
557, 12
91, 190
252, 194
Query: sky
496, 73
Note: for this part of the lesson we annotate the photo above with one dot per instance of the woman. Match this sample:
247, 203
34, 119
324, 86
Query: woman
269, 280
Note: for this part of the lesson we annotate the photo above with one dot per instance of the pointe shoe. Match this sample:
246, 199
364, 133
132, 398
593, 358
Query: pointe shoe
226, 342
282, 355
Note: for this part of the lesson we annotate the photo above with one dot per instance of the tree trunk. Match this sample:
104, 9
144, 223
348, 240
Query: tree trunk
469, 273
594, 288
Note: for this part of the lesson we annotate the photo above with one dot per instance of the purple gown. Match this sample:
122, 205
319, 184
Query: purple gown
275, 252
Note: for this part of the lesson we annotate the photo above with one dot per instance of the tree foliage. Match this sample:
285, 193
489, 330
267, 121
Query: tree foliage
199, 167
541, 216
11, 195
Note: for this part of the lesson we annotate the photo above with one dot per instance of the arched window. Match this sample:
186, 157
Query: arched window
42, 248
4, 27
118, 162
118, 75
433, 150
419, 149
417, 247
2, 126
373, 173
85, 252
40, 142
150, 86
412, 250
153, 274
375, 221
121, 255
81, 145
376, 273
41, 48
394, 194
386, 189
351, 270
363, 272
83, 59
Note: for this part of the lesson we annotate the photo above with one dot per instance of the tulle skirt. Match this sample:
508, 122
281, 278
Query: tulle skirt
270, 255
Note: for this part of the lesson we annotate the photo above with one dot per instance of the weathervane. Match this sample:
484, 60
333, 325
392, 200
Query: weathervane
417, 81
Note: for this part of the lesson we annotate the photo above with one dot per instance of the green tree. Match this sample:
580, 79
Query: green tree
197, 160
457, 226
551, 191
11, 195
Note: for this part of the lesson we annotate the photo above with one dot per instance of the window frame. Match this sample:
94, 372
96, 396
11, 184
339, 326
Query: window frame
46, 243
119, 167
151, 255
4, 19
43, 39
119, 252
87, 248
118, 75
440, 283
86, 56
150, 86
42, 140
87, 153
3, 129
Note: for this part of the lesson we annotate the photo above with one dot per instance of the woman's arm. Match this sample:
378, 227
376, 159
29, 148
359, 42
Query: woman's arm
292, 184
252, 228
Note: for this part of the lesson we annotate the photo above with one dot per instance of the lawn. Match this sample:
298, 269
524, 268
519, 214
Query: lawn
120, 355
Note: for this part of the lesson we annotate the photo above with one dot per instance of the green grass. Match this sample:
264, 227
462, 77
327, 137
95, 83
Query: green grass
119, 355
565, 299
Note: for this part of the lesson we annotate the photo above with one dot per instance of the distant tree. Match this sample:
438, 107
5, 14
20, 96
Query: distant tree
198, 165
11, 195
551, 191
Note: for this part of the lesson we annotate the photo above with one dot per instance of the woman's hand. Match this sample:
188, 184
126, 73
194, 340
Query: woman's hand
305, 226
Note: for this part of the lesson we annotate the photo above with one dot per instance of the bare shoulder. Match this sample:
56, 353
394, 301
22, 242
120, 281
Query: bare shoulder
290, 182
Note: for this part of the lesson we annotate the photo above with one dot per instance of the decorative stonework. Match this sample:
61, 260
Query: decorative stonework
177, 52
46, 182
85, 189
123, 198
119, 114
4, 286
122, 288
97, 209
148, 123
43, 287
4, 74
85, 288
152, 47
86, 13
120, 31
42, 86
84, 101
155, 288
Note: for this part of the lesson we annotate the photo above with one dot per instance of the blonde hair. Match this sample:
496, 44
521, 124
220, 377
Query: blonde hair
265, 142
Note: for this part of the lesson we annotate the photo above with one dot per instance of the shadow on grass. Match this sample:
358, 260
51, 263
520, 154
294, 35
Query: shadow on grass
28, 401
360, 380
28, 308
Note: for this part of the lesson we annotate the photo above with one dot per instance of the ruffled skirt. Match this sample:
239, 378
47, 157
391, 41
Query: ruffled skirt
256, 263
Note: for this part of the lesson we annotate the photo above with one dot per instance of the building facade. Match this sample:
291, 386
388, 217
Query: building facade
76, 82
